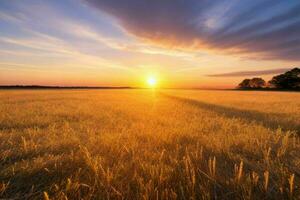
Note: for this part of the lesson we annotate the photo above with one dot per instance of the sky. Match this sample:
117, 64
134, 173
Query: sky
183, 43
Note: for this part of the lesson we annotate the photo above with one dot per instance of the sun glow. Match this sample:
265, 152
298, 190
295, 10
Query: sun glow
152, 81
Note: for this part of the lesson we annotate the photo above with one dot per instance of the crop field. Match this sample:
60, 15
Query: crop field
149, 144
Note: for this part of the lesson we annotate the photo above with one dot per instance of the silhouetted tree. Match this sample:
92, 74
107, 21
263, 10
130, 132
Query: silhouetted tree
255, 83
244, 84
288, 80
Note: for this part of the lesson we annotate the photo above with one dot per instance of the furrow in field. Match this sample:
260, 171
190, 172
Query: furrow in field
268, 120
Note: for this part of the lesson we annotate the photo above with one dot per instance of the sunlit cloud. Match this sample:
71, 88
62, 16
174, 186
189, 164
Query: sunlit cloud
256, 27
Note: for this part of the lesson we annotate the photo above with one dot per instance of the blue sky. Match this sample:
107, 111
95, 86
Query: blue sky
120, 42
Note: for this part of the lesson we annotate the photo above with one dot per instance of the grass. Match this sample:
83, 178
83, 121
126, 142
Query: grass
144, 144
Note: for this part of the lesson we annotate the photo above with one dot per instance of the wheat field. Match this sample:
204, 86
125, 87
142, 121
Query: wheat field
149, 144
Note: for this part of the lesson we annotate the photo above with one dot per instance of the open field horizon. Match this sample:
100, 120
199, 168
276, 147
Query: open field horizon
149, 100
149, 144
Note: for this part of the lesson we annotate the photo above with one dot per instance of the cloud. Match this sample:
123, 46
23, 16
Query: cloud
251, 73
266, 29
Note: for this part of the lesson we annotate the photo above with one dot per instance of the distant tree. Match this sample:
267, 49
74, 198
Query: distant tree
288, 80
257, 83
254, 83
244, 84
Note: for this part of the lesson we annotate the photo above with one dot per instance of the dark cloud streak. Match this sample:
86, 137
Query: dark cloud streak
251, 73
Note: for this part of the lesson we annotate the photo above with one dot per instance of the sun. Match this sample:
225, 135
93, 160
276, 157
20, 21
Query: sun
152, 81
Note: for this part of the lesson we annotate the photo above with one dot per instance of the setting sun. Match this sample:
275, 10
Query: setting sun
141, 99
152, 81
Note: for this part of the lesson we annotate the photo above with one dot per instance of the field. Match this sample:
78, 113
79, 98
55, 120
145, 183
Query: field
149, 144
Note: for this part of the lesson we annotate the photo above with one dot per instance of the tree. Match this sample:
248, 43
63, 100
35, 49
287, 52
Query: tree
257, 83
244, 84
254, 83
288, 80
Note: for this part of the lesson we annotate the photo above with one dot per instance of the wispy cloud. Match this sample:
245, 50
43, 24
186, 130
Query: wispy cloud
267, 29
251, 73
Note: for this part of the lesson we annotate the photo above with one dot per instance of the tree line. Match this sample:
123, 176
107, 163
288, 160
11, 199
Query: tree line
289, 80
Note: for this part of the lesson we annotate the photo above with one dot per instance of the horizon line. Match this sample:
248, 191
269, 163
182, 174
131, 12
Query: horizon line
100, 87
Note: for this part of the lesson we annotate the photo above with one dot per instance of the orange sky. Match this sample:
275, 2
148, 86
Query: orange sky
99, 43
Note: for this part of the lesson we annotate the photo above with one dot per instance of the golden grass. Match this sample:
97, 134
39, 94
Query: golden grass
146, 144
